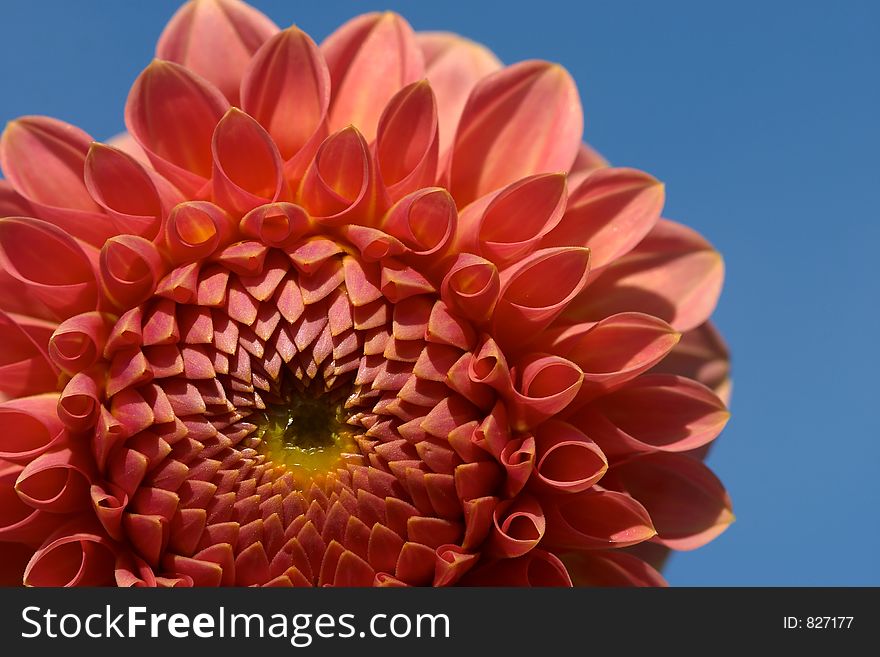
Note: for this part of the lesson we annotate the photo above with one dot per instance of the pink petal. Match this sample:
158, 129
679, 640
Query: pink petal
172, 112
567, 461
425, 222
674, 414
545, 386
195, 230
135, 197
74, 556
57, 481
522, 120
31, 427
536, 291
687, 503
247, 165
25, 368
615, 350
52, 266
673, 274
587, 161
701, 355
215, 39
610, 568
276, 224
609, 212
43, 158
79, 342
80, 402
127, 144
471, 287
130, 269
506, 226
537, 568
596, 519
518, 527
453, 66
287, 89
370, 59
406, 140
13, 204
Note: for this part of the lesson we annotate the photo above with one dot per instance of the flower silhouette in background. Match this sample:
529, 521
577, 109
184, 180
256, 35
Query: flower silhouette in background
363, 313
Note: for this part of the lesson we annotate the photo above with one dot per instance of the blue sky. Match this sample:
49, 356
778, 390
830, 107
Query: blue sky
762, 120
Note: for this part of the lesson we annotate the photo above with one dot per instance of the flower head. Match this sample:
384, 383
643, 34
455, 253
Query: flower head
363, 313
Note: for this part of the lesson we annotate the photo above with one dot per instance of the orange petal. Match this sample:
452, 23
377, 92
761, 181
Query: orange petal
130, 270
25, 368
247, 164
471, 287
537, 568
546, 384
536, 291
195, 230
76, 555
610, 568
701, 355
566, 460
610, 212
518, 526
287, 89
31, 427
79, 342
587, 161
276, 224
406, 140
596, 519
172, 112
506, 226
135, 197
215, 39
453, 66
674, 414
425, 222
673, 274
687, 503
370, 58
50, 265
522, 120
43, 158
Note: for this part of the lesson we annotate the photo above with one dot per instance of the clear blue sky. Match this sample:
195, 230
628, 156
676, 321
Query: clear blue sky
762, 119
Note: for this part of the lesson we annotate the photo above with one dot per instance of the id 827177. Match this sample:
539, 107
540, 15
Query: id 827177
818, 622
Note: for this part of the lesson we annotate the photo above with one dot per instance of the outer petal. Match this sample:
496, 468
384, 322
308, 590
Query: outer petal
406, 140
135, 197
506, 226
25, 368
247, 165
613, 351
216, 39
127, 144
536, 291
13, 204
587, 161
453, 66
50, 265
674, 414
537, 568
674, 274
567, 461
701, 355
43, 158
525, 119
370, 59
610, 568
610, 212
79, 342
30, 427
172, 112
596, 519
687, 503
287, 89
76, 555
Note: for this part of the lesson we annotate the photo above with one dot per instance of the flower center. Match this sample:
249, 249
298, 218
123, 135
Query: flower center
306, 433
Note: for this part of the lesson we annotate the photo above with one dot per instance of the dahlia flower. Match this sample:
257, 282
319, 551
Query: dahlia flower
363, 313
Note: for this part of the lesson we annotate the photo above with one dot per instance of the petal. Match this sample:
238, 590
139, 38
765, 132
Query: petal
687, 503
172, 113
79, 342
537, 568
406, 140
596, 519
340, 185
370, 59
610, 568
287, 89
546, 385
130, 269
30, 426
80, 403
518, 527
74, 556
276, 224
247, 165
655, 412
127, 144
195, 230
453, 66
506, 226
673, 274
522, 120
615, 350
52, 266
425, 222
610, 212
57, 481
215, 39
536, 291
701, 355
25, 368
567, 461
13, 204
471, 287
135, 197
44, 158
587, 161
